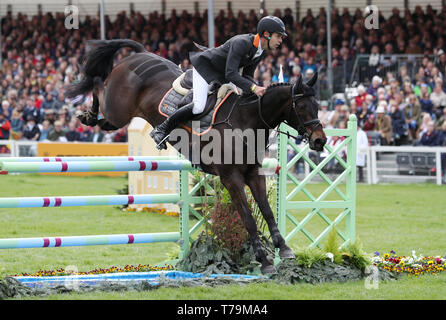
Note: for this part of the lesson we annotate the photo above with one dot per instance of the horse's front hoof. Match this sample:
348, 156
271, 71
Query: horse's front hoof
287, 253
268, 270
87, 119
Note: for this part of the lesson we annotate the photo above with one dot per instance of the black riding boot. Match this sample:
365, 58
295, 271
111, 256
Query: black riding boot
163, 130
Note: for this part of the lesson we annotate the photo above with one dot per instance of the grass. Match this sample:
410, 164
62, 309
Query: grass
389, 217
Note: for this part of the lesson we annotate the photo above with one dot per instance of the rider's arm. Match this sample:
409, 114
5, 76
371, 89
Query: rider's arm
237, 50
248, 71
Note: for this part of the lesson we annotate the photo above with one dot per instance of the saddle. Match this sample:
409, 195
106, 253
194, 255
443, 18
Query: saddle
181, 94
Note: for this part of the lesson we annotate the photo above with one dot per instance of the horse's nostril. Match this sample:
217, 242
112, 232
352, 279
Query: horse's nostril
320, 142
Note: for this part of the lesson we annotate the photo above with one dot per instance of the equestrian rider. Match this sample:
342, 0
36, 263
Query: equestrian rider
222, 64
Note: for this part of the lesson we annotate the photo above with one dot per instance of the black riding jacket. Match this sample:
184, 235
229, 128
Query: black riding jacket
223, 63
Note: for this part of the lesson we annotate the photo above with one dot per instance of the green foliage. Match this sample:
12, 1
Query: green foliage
332, 246
2, 273
206, 255
309, 256
174, 253
356, 256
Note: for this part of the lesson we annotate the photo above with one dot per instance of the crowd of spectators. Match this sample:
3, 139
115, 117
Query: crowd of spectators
40, 58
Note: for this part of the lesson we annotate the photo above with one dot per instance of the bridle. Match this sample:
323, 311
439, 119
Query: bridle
302, 126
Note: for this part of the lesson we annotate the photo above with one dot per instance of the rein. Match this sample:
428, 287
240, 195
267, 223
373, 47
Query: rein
302, 125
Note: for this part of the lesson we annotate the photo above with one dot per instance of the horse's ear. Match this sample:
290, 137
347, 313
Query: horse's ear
299, 83
313, 80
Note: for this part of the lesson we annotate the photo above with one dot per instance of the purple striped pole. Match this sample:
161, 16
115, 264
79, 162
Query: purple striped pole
74, 201
73, 241
94, 166
86, 158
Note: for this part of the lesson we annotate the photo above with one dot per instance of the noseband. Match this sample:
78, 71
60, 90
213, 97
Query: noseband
302, 126
312, 124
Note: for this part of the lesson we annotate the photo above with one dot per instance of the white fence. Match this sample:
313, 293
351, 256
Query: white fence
13, 148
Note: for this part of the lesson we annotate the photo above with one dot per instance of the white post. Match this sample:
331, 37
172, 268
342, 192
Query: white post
373, 163
102, 21
329, 63
368, 166
211, 32
438, 165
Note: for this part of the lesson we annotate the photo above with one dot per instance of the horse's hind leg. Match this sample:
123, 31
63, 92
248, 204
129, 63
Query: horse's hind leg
257, 184
235, 186
90, 116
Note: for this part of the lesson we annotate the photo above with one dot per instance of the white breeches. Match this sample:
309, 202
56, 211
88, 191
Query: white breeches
201, 88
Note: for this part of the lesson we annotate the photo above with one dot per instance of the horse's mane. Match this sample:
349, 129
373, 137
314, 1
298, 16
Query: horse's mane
278, 84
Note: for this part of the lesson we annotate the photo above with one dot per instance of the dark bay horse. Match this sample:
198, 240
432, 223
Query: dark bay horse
135, 87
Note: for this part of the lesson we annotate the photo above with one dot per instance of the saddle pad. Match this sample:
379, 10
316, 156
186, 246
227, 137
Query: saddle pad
169, 104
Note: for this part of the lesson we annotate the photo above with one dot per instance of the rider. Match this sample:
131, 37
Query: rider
222, 64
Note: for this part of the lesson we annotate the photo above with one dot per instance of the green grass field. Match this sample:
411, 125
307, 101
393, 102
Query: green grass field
389, 217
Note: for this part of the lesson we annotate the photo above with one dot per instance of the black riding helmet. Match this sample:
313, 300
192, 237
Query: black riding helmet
271, 24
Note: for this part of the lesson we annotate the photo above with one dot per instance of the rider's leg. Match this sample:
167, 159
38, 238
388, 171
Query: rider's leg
200, 87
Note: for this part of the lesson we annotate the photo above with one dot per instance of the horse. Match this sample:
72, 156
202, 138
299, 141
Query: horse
137, 84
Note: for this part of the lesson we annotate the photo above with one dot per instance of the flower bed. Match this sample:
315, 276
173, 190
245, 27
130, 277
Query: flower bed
413, 265
127, 268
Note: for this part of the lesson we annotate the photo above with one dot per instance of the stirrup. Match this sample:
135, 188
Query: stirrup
159, 145
162, 144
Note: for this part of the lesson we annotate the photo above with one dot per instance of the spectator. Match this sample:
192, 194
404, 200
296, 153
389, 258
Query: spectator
6, 109
442, 136
85, 133
324, 114
31, 110
369, 104
60, 101
412, 114
360, 98
296, 73
369, 124
363, 114
333, 142
438, 96
48, 103
383, 125
361, 152
426, 104
45, 129
424, 124
72, 134
62, 116
335, 114
441, 120
398, 123
97, 135
57, 133
5, 126
16, 125
373, 89
50, 116
31, 130
430, 138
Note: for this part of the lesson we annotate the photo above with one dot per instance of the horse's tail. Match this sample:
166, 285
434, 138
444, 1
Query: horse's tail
98, 62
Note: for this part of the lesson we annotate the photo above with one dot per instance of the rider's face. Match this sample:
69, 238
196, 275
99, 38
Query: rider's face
276, 40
